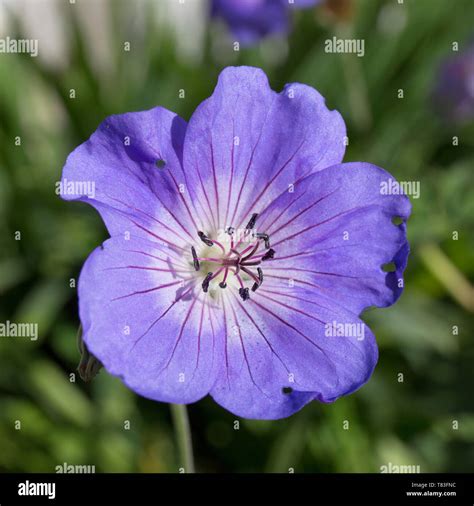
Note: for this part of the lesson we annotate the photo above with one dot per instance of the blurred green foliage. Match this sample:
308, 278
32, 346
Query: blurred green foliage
409, 422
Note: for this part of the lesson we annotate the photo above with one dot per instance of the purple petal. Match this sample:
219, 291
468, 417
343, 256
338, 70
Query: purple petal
334, 234
280, 355
145, 320
133, 165
249, 143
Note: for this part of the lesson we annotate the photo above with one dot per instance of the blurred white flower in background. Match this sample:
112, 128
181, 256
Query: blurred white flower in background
41, 20
46, 21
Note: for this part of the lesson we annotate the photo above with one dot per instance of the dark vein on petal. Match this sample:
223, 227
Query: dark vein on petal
250, 162
155, 219
304, 313
207, 198
269, 183
163, 314
156, 236
268, 227
183, 325
146, 268
286, 278
183, 200
270, 267
291, 296
215, 184
342, 213
226, 344
231, 179
274, 232
260, 331
292, 327
164, 260
140, 292
245, 353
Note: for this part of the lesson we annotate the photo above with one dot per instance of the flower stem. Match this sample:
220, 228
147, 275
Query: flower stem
183, 436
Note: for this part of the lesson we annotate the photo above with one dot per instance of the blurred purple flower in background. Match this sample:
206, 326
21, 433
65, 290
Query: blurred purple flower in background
251, 20
454, 89
242, 250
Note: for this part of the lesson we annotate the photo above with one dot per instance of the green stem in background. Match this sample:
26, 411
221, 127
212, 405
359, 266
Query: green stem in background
448, 275
356, 84
183, 436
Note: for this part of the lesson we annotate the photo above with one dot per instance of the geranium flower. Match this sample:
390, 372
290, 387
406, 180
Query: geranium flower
242, 251
251, 20
454, 90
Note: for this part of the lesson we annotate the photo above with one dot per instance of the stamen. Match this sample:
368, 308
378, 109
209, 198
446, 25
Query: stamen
252, 221
244, 293
230, 230
205, 283
266, 239
262, 236
251, 254
269, 254
205, 239
235, 252
195, 258
260, 280
223, 283
251, 264
250, 273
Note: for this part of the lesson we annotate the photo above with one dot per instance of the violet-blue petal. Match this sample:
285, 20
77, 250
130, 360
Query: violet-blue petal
337, 234
248, 143
278, 356
145, 320
133, 164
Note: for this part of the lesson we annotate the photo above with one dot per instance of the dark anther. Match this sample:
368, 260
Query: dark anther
205, 283
205, 239
287, 390
260, 280
222, 284
244, 293
265, 237
269, 254
252, 221
230, 230
195, 258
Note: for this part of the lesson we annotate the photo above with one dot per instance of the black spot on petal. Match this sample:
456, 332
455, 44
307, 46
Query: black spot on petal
286, 390
160, 163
